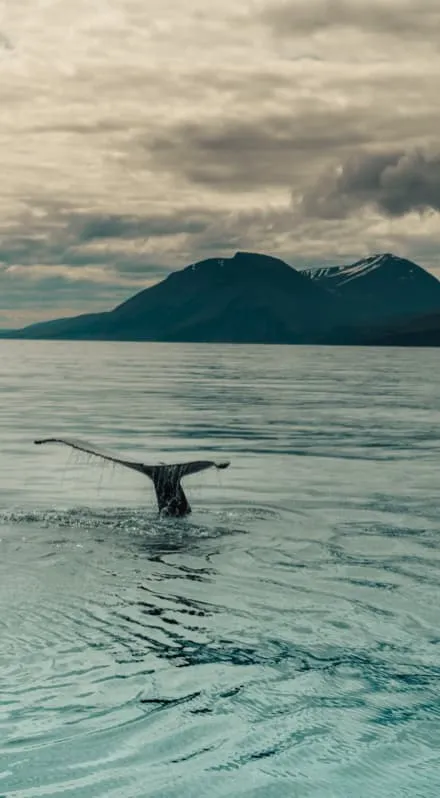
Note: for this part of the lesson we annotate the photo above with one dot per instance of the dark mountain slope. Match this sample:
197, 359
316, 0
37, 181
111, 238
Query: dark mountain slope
249, 297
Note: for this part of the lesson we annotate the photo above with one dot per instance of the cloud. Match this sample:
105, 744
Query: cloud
259, 152
52, 234
96, 226
27, 294
393, 182
137, 138
393, 18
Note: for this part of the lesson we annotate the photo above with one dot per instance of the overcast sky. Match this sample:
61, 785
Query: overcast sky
138, 136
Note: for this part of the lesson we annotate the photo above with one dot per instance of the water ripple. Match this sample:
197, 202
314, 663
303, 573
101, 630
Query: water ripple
281, 640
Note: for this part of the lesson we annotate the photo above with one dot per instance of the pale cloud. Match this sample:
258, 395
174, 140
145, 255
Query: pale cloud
138, 137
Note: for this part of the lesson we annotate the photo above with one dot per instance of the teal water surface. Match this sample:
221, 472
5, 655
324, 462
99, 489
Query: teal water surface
282, 641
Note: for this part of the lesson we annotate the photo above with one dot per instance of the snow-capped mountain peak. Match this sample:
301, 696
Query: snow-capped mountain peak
341, 275
382, 286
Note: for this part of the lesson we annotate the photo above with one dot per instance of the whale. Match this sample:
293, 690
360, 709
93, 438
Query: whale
171, 498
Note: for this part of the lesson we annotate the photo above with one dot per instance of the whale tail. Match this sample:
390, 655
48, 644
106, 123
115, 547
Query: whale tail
171, 498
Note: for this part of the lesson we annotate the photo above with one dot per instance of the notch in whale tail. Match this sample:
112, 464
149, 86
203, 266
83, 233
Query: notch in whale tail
171, 498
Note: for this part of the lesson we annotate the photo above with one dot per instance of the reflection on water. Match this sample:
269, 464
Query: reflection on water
282, 640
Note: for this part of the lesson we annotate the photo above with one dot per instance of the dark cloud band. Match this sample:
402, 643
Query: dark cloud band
392, 18
395, 183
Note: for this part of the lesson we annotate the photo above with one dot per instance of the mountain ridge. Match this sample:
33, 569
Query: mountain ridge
257, 298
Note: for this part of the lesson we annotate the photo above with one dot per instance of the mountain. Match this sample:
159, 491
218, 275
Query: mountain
249, 298
254, 298
381, 288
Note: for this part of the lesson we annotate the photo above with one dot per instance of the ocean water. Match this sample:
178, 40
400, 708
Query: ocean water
283, 641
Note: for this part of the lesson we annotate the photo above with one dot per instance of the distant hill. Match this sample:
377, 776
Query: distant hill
254, 298
381, 288
249, 298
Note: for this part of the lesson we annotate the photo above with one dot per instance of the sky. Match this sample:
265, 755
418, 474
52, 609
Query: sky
139, 136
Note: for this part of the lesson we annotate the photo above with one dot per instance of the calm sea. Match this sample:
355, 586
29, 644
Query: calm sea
281, 642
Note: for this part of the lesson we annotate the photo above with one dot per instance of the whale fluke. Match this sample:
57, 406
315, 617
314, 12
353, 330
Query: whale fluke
166, 479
